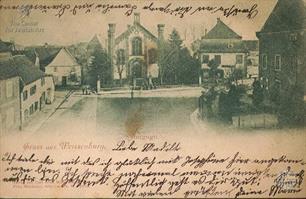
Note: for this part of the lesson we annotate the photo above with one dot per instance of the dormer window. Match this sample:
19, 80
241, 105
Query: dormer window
293, 37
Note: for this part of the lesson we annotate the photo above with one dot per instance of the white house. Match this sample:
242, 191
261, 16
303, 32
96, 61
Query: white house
226, 48
36, 89
64, 69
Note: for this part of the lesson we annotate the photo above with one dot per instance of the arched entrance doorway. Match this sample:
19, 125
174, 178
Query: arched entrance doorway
136, 67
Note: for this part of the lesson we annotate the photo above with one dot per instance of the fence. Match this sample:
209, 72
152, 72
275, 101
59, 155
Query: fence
263, 120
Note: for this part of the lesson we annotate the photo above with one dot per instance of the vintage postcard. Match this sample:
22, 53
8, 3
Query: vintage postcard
152, 98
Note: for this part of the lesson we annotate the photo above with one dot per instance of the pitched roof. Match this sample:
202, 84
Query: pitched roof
5, 46
6, 70
222, 47
45, 54
63, 58
20, 65
96, 41
286, 15
221, 31
252, 45
131, 29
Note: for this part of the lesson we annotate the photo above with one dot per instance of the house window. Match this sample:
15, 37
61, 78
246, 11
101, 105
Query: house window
25, 95
239, 59
26, 114
205, 59
230, 45
33, 90
136, 46
218, 59
36, 106
152, 56
278, 62
43, 81
293, 37
55, 69
9, 89
264, 61
120, 57
31, 109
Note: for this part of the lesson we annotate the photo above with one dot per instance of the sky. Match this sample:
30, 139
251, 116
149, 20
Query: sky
69, 28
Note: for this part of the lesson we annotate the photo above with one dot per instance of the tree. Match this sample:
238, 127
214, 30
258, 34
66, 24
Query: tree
187, 68
99, 67
120, 63
258, 94
213, 68
177, 65
175, 39
236, 75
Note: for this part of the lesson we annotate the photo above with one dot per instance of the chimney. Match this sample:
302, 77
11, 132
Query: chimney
205, 33
160, 28
137, 18
111, 44
218, 19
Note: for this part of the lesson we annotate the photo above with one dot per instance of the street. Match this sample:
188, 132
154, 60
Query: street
102, 115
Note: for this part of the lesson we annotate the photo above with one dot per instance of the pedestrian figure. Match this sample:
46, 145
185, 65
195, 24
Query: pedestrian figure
83, 90
150, 82
257, 93
132, 92
201, 104
86, 90
210, 97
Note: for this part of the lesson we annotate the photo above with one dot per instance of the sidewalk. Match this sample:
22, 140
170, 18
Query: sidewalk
160, 92
37, 120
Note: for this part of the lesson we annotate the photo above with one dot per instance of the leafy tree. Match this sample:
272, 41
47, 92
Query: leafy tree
258, 94
187, 68
177, 65
236, 75
213, 68
175, 39
99, 67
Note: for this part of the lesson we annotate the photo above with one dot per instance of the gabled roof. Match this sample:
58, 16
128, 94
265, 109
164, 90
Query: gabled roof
222, 47
96, 41
251, 45
6, 70
44, 53
5, 46
131, 29
241, 46
286, 15
63, 58
221, 31
21, 66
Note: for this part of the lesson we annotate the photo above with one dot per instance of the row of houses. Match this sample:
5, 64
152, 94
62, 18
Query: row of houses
29, 75
24, 90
